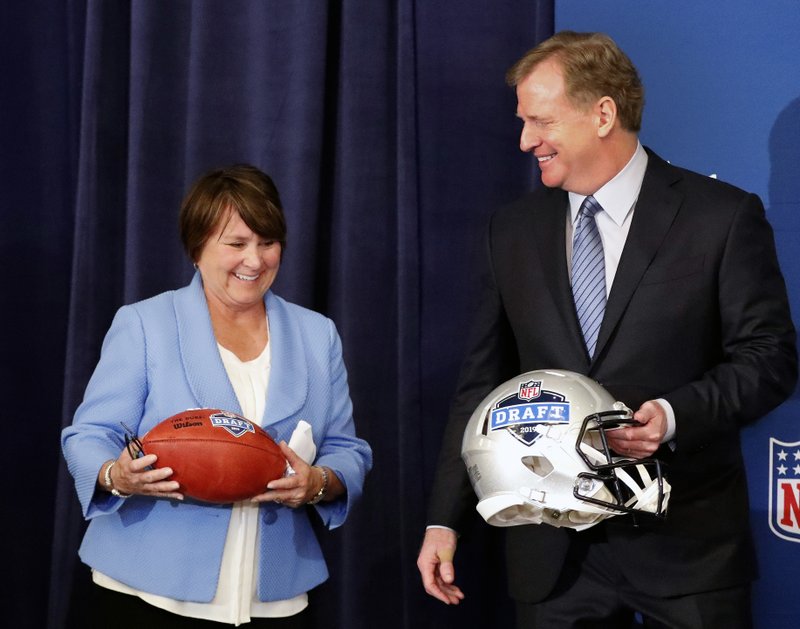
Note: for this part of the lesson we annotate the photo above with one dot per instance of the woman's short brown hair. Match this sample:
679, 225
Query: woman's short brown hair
593, 66
242, 188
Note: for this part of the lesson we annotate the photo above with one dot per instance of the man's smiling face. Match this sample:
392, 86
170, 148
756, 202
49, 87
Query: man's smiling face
563, 138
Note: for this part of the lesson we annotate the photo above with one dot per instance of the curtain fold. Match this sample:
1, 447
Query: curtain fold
409, 415
390, 133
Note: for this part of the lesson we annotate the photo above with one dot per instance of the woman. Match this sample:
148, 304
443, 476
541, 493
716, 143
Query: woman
225, 341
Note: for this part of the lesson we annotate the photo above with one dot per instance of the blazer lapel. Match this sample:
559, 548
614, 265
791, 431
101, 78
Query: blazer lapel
205, 372
202, 363
656, 207
288, 382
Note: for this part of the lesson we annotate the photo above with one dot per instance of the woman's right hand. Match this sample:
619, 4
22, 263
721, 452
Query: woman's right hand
131, 476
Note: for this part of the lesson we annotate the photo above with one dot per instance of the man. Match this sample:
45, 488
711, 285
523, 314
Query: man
696, 336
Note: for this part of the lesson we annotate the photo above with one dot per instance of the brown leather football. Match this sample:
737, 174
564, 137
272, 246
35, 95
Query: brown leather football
216, 456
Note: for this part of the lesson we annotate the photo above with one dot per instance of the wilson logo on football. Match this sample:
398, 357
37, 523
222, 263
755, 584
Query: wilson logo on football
233, 424
784, 489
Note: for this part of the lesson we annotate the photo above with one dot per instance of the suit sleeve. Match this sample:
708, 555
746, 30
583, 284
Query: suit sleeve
491, 359
758, 369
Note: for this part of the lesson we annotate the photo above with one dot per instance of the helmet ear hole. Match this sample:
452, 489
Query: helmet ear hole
539, 465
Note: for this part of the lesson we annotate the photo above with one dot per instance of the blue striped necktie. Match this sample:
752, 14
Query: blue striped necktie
589, 273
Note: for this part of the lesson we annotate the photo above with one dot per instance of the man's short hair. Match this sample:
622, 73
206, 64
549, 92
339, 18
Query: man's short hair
593, 66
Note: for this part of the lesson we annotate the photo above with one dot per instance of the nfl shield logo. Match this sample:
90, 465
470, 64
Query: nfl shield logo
530, 390
784, 489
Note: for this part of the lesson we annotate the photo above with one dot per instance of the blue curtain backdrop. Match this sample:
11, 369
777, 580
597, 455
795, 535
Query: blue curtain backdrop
390, 134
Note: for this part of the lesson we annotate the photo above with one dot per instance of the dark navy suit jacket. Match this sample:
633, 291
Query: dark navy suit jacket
697, 315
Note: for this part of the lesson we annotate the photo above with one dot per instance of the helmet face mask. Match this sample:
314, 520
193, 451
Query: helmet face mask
536, 451
615, 471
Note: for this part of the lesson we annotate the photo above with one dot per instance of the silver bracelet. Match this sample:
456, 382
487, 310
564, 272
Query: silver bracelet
110, 484
321, 493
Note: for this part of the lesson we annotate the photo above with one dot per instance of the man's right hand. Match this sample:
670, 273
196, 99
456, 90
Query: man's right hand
435, 563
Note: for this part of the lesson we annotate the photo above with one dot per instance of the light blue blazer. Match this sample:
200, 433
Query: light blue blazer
160, 357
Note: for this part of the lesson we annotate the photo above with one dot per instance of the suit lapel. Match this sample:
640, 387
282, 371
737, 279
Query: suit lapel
656, 208
549, 229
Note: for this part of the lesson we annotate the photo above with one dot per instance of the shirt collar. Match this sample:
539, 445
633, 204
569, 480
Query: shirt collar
618, 195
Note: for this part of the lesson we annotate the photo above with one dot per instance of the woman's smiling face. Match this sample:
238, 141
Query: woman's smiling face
237, 265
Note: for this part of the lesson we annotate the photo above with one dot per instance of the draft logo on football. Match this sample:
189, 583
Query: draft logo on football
235, 425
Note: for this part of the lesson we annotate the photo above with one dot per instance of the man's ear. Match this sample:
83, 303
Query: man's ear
606, 111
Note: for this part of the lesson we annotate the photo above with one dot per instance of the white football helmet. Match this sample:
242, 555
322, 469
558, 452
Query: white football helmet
536, 452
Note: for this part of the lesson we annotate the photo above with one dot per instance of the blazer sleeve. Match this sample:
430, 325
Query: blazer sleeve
341, 450
115, 394
758, 366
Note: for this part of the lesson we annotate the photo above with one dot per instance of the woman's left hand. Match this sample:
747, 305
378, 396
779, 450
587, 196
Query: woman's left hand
294, 490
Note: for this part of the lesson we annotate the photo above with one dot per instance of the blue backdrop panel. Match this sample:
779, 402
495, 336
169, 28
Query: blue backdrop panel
723, 98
